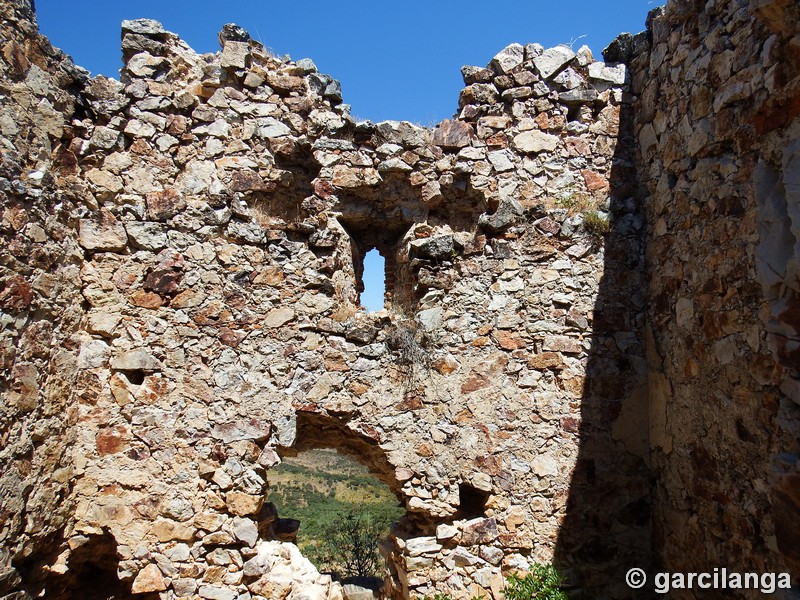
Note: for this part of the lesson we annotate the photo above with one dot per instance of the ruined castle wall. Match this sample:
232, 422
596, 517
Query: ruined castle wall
221, 205
717, 124
180, 269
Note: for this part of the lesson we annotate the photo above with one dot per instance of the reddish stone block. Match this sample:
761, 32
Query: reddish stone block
594, 181
164, 205
231, 338
452, 134
16, 293
111, 440
163, 282
249, 181
146, 299
474, 382
546, 360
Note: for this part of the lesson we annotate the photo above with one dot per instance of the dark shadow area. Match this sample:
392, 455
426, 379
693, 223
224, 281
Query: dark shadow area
607, 530
472, 502
91, 574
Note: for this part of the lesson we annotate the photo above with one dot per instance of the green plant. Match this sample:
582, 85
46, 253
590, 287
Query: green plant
542, 582
595, 223
574, 201
350, 545
568, 202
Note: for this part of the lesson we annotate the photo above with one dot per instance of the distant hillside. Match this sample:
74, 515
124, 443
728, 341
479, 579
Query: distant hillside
318, 487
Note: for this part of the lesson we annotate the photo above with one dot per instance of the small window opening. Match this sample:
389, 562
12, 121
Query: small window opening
573, 113
135, 376
373, 297
472, 502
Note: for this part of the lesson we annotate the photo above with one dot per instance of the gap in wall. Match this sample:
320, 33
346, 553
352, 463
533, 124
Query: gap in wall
373, 296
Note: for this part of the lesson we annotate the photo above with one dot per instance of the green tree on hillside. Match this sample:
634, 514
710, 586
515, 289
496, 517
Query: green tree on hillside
350, 545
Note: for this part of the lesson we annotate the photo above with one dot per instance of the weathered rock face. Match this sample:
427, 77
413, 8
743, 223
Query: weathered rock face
181, 261
40, 302
717, 124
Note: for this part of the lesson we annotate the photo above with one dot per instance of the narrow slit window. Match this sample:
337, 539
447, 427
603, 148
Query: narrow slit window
374, 279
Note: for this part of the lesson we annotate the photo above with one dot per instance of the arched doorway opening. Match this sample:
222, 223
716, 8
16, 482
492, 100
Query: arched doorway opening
343, 499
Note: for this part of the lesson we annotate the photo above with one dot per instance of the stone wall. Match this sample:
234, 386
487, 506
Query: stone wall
40, 302
181, 260
717, 122
223, 204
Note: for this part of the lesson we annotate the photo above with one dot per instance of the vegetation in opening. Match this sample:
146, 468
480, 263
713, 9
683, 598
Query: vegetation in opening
350, 545
344, 510
542, 582
374, 278
596, 224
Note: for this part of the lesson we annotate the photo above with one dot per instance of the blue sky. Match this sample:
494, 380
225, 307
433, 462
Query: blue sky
374, 288
396, 60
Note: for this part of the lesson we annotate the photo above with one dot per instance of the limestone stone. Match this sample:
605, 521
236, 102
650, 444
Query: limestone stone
463, 558
149, 579
235, 55
104, 138
615, 74
491, 554
478, 531
446, 533
353, 591
552, 60
544, 465
104, 234
138, 128
103, 323
145, 235
244, 429
479, 93
501, 160
134, 360
184, 586
212, 592
535, 141
508, 58
168, 530
243, 505
438, 247
278, 317
422, 545
147, 27
93, 354
509, 212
